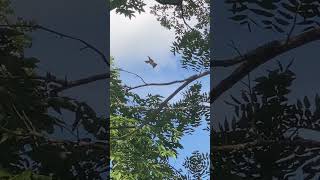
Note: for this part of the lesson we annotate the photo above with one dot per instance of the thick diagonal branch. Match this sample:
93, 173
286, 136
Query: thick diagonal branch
71, 84
259, 56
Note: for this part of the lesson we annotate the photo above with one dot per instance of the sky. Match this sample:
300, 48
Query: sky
131, 41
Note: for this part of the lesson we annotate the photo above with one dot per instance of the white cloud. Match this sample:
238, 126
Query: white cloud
133, 40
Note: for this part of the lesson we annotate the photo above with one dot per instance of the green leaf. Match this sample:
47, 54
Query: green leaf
4, 174
281, 21
267, 4
235, 99
306, 102
26, 175
278, 28
317, 101
239, 17
285, 15
262, 12
245, 97
299, 104
4, 137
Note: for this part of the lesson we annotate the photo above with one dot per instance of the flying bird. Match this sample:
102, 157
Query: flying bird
151, 62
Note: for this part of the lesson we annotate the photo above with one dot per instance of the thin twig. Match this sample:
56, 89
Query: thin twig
294, 23
233, 46
157, 84
120, 69
183, 18
88, 45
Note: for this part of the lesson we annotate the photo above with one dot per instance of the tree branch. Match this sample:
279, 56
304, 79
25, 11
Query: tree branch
64, 83
259, 56
158, 84
186, 83
102, 145
79, 82
170, 2
120, 69
87, 45
227, 63
297, 142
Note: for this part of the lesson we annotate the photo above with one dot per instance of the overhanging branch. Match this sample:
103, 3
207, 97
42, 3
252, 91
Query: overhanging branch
259, 56
79, 82
85, 43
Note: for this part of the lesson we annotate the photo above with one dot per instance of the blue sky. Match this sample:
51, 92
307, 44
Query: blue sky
131, 42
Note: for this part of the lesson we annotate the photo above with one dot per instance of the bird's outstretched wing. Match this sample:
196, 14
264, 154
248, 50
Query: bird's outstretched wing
151, 62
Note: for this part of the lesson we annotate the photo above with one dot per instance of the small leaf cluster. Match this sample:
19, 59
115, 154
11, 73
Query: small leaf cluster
277, 15
190, 22
266, 114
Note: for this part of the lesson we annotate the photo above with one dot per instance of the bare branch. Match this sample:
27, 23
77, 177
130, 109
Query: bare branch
157, 84
259, 56
79, 82
85, 43
120, 69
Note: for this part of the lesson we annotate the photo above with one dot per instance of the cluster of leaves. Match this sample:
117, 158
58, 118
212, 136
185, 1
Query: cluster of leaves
127, 7
26, 175
197, 165
265, 114
30, 114
25, 110
190, 20
146, 152
278, 15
